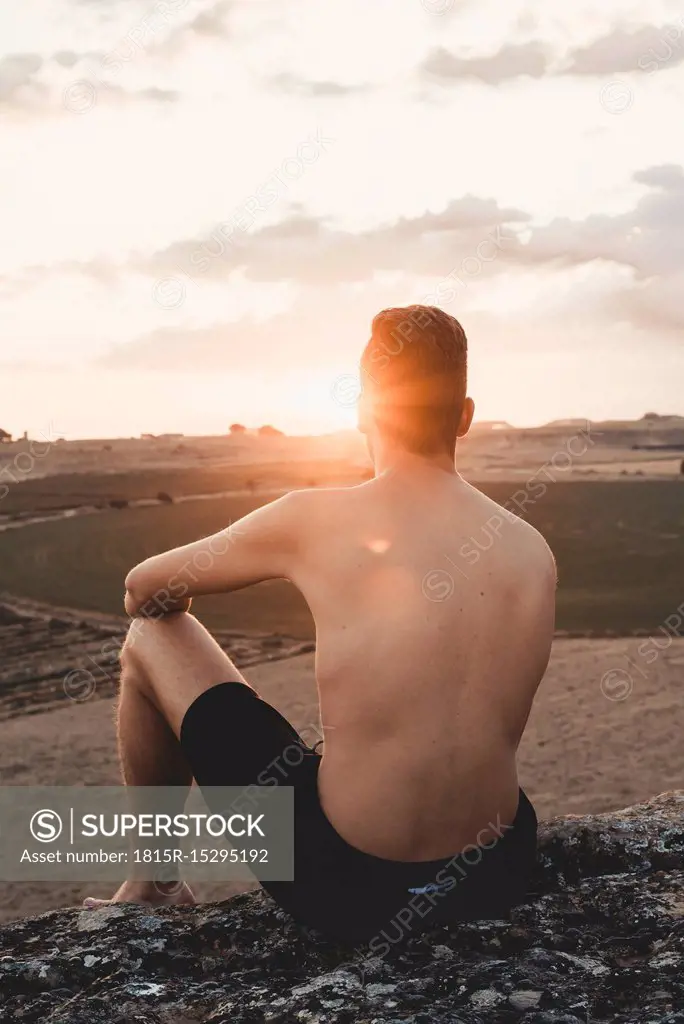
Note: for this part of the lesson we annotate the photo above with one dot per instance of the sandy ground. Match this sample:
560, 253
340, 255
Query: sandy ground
605, 732
602, 450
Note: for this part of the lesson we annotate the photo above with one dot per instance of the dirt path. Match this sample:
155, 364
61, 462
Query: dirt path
15, 523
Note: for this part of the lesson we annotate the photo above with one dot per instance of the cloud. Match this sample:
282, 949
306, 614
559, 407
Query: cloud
649, 238
306, 250
623, 51
16, 72
210, 23
305, 87
81, 95
32, 84
526, 59
637, 258
648, 241
212, 20
665, 176
153, 93
67, 58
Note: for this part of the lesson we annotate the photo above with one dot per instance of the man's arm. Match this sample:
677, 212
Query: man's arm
261, 546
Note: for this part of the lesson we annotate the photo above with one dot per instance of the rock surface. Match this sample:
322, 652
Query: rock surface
602, 938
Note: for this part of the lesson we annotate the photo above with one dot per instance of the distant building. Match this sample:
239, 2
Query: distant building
5, 437
666, 420
161, 437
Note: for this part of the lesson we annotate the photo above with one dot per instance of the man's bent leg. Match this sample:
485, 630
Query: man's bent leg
165, 665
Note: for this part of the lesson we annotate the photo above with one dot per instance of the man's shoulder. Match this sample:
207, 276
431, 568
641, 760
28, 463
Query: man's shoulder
313, 517
524, 540
532, 545
286, 523
312, 497
310, 505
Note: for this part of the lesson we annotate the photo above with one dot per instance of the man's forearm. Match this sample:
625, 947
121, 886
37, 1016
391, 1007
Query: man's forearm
259, 547
155, 606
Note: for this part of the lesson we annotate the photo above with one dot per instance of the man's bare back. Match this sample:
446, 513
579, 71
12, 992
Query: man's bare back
434, 612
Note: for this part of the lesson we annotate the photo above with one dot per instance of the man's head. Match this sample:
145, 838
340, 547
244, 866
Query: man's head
414, 379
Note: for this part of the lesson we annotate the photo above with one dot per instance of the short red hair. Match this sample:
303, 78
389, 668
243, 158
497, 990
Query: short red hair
416, 366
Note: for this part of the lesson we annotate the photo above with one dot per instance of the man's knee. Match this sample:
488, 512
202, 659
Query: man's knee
128, 653
144, 634
138, 632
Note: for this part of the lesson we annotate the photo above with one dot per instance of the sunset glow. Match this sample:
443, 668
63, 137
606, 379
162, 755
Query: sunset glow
224, 198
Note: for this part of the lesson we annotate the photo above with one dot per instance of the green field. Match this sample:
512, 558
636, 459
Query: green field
619, 547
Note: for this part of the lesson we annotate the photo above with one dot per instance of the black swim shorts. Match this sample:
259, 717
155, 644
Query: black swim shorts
231, 737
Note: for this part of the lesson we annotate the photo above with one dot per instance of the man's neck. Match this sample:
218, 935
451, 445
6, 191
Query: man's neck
387, 459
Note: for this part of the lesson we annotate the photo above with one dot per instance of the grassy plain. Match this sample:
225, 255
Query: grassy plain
618, 546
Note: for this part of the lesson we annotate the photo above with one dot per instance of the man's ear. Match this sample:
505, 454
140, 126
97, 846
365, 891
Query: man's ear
466, 417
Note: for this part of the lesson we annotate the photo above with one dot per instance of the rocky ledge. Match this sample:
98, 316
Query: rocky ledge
601, 939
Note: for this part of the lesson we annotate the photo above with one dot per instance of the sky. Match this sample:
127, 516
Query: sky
204, 202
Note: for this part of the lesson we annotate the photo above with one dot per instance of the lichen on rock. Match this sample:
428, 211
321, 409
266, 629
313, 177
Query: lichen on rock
601, 938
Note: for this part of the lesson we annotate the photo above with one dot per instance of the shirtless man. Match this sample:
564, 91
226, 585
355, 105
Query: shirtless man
434, 612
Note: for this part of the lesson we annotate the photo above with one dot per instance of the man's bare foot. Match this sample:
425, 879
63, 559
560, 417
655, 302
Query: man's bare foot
157, 894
